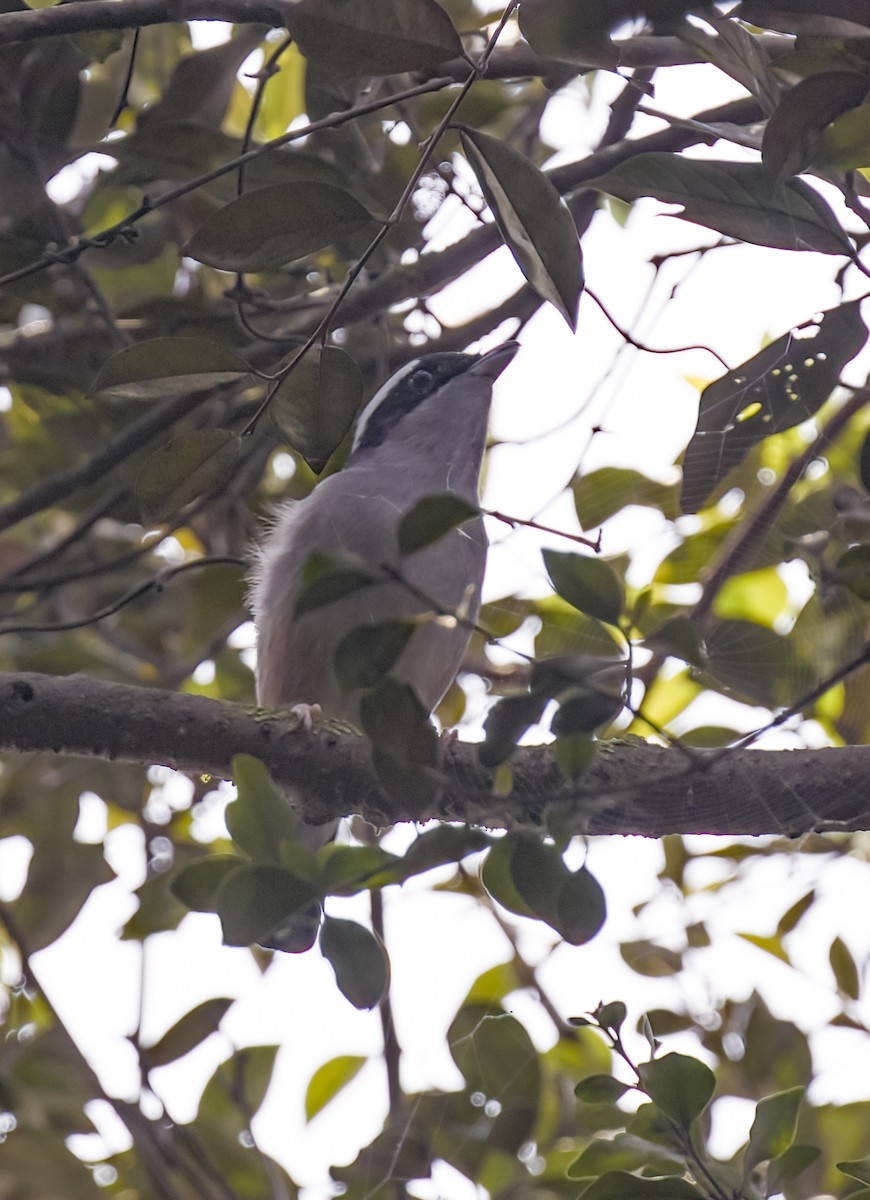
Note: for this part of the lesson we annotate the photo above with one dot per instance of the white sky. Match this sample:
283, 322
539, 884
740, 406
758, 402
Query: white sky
730, 300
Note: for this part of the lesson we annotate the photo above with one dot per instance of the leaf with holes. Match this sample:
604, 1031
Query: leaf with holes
315, 404
166, 366
736, 199
784, 384
184, 469
271, 226
373, 37
534, 220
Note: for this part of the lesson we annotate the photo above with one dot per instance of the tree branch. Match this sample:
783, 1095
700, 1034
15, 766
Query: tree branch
631, 787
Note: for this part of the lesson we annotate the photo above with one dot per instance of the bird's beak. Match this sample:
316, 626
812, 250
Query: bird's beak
491, 364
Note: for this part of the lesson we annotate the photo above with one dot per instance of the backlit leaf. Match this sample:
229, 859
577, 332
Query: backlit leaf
736, 199
362, 969
154, 368
681, 1086
535, 222
328, 1080
590, 584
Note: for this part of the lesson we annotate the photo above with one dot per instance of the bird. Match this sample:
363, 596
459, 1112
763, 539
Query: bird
423, 433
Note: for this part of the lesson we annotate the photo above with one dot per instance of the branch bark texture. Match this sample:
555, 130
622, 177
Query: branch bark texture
631, 787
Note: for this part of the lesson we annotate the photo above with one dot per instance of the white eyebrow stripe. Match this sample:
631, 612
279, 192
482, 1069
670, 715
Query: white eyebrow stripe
378, 399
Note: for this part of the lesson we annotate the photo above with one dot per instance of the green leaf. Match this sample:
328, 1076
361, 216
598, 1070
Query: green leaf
580, 908
790, 918
679, 637
844, 968
193, 1028
787, 1166
366, 654
681, 1086
600, 1089
496, 875
648, 958
853, 571
759, 596
237, 1088
431, 518
856, 1169
574, 753
328, 577
585, 710
506, 723
314, 406
184, 469
845, 144
534, 220
611, 1015
441, 845
347, 870
602, 494
793, 135
784, 384
257, 904
736, 199
590, 584
260, 818
328, 1080
272, 226
198, 884
374, 37
619, 1185
165, 366
397, 723
362, 969
773, 1129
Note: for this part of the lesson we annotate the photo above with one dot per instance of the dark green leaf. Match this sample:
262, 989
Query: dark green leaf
853, 570
856, 1169
497, 876
193, 1028
374, 37
773, 1129
561, 29
397, 723
362, 969
678, 637
431, 518
347, 870
681, 1086
619, 1185
328, 1080
441, 845
580, 908
784, 384
184, 469
260, 818
787, 1166
198, 884
257, 904
506, 723
314, 406
590, 584
366, 654
584, 711
328, 577
267, 228
864, 462
791, 136
736, 199
600, 1089
790, 918
844, 968
153, 369
535, 222
611, 1015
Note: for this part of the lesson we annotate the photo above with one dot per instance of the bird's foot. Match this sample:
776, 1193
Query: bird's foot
304, 716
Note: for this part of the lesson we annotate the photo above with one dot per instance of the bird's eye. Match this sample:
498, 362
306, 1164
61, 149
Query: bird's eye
422, 381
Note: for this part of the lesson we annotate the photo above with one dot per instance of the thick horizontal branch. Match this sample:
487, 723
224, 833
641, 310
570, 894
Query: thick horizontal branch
631, 787
30, 24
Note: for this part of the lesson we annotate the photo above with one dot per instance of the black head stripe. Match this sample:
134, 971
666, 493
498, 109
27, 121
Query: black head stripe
407, 389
